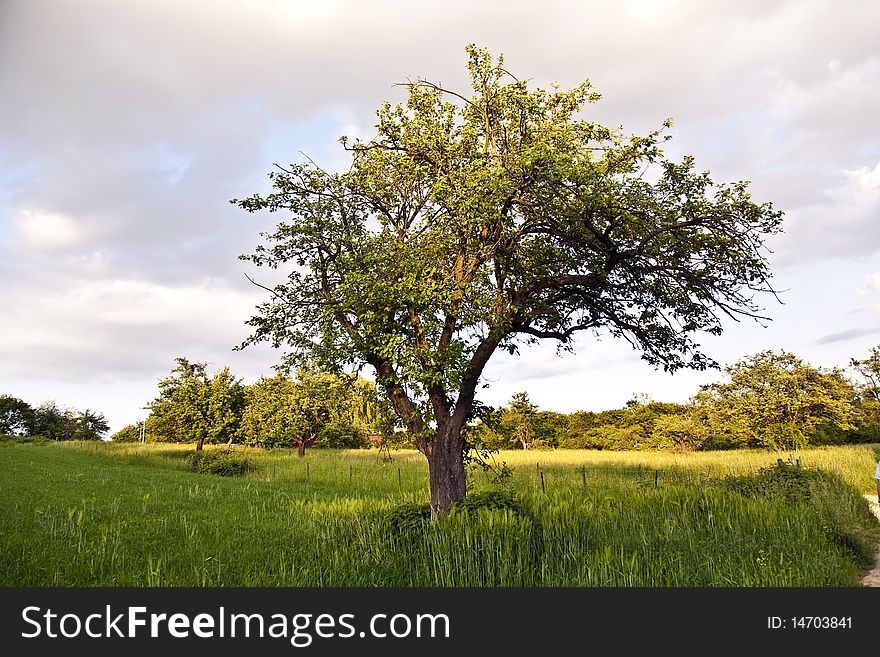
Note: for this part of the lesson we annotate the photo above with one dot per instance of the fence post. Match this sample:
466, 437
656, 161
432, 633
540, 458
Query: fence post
656, 478
584, 475
543, 490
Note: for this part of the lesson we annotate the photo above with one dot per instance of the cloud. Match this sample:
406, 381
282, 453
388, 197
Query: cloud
849, 334
97, 331
872, 284
47, 230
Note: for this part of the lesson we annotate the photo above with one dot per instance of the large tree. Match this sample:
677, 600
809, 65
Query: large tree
478, 220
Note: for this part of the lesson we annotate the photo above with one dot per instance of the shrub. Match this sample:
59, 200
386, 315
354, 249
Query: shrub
781, 481
495, 500
218, 463
23, 440
844, 514
342, 436
407, 516
130, 433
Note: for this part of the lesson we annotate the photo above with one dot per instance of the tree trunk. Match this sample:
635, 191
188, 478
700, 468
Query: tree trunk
446, 469
200, 442
301, 448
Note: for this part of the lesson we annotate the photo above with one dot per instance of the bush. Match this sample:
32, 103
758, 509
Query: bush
23, 440
218, 463
342, 436
407, 516
130, 433
494, 500
413, 515
844, 513
784, 481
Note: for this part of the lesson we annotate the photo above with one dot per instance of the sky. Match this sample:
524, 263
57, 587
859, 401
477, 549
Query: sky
126, 126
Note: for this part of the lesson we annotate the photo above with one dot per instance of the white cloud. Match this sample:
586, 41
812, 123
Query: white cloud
48, 231
92, 331
872, 284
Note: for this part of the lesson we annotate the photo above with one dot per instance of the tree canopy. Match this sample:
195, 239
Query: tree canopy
485, 219
776, 400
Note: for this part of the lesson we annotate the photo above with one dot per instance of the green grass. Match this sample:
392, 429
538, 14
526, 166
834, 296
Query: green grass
127, 515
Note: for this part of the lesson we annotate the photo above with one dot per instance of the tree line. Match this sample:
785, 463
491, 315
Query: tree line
49, 420
771, 399
313, 409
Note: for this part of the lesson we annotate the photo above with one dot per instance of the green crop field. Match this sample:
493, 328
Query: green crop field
86, 514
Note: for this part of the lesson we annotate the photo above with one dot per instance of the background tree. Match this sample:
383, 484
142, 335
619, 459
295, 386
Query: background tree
869, 369
16, 417
193, 407
868, 422
90, 425
268, 418
480, 220
778, 401
281, 412
54, 422
182, 408
521, 418
226, 399
130, 433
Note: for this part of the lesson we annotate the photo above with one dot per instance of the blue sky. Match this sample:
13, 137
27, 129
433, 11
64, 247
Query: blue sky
127, 127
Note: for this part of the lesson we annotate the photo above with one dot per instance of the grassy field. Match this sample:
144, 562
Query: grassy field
116, 515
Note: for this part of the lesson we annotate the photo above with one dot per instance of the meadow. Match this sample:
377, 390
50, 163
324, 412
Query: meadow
97, 514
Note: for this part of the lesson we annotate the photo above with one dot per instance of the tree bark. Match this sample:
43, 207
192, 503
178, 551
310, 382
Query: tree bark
200, 442
301, 448
446, 468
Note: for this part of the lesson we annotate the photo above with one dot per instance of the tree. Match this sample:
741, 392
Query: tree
91, 425
775, 400
482, 220
130, 433
193, 407
281, 412
226, 401
521, 419
16, 417
54, 422
182, 408
869, 368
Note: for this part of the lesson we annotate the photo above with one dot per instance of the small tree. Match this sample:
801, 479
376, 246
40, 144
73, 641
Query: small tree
481, 220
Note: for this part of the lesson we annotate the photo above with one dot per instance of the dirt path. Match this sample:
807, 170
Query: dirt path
873, 577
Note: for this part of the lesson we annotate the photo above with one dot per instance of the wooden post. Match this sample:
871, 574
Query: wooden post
543, 490
308, 472
584, 475
349, 474
399, 485
656, 478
